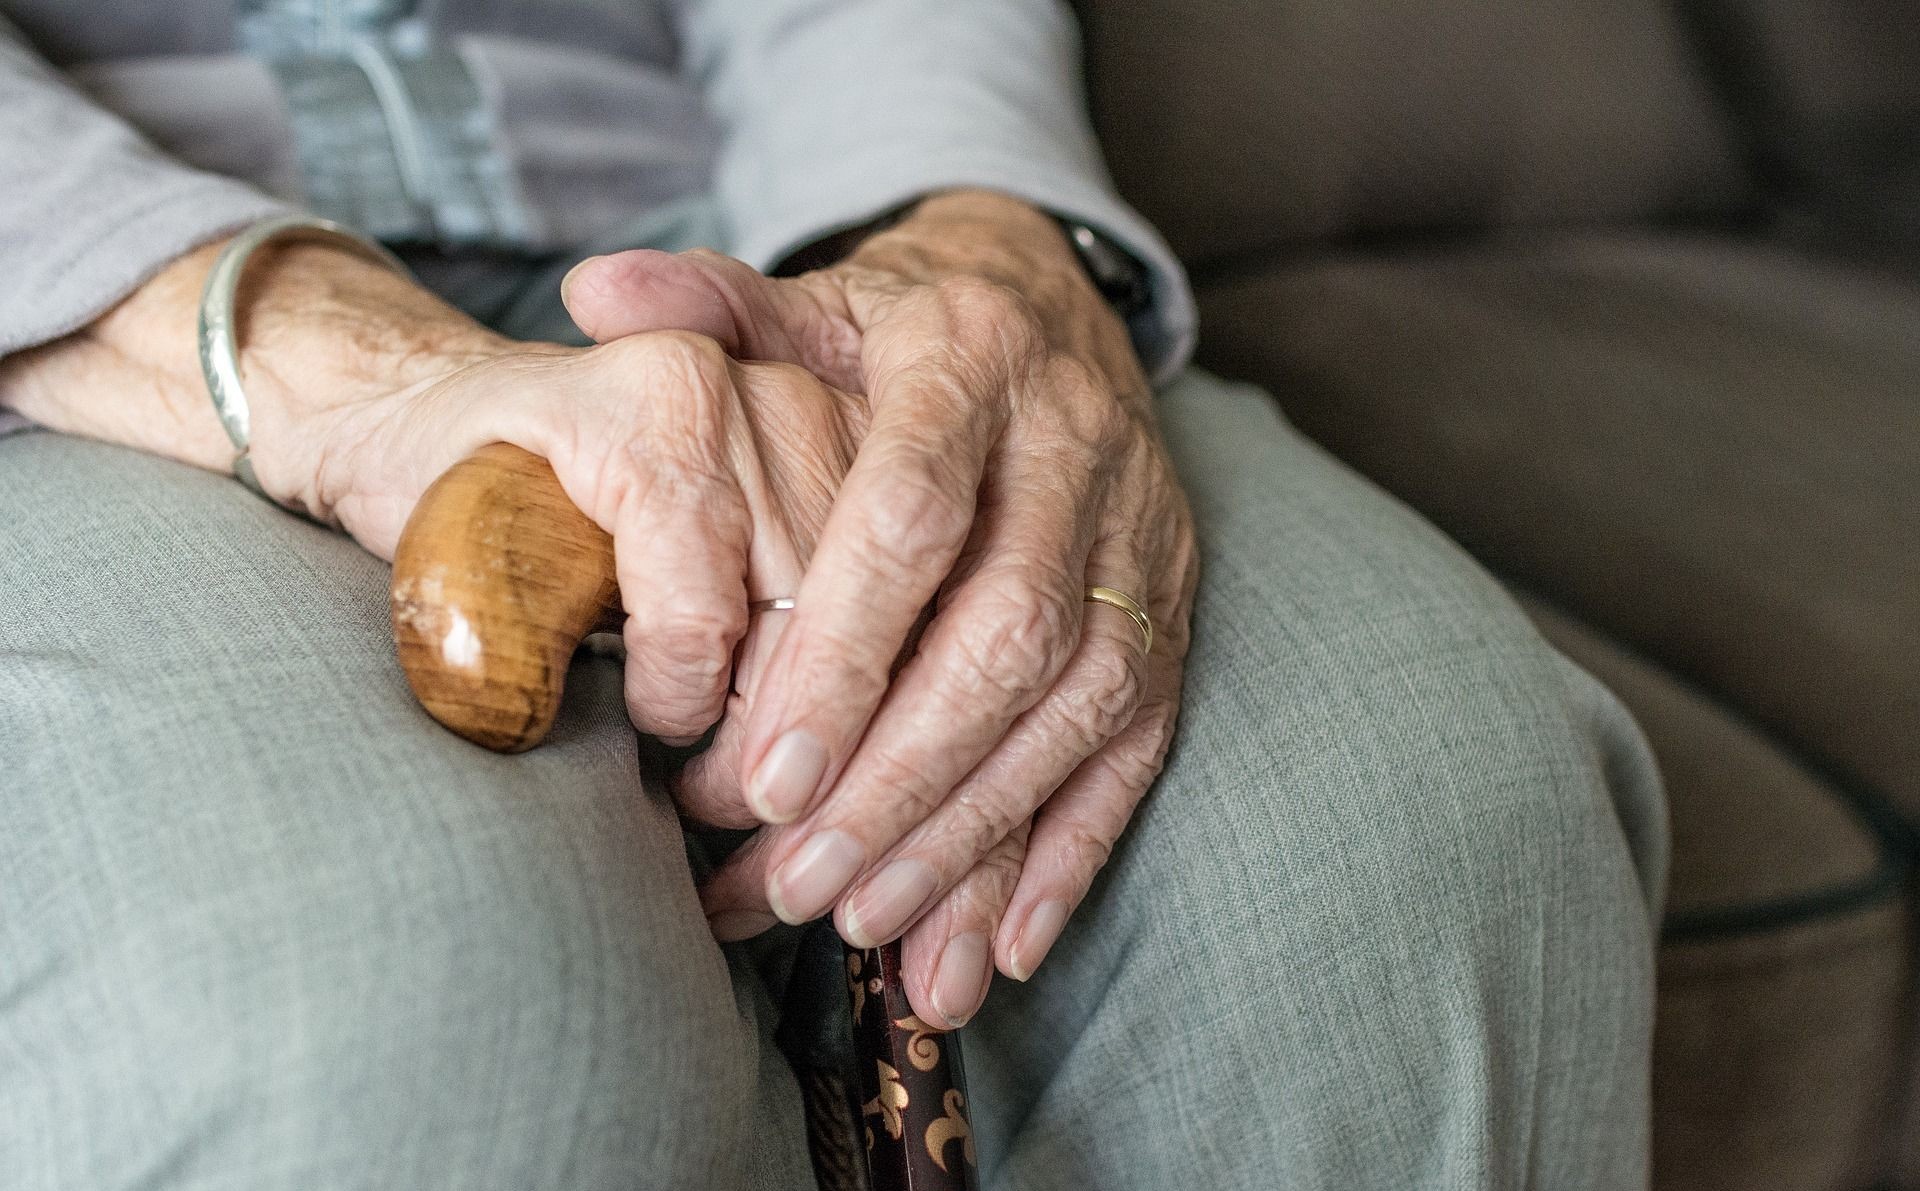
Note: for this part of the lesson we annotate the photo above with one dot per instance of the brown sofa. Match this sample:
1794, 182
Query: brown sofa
1625, 295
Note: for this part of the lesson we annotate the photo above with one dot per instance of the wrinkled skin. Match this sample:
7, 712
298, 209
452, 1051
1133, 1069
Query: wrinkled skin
1007, 459
949, 419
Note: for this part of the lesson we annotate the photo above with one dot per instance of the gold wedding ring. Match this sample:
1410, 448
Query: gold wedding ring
1119, 599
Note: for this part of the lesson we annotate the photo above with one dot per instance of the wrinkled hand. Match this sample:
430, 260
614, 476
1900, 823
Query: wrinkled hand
712, 476
1010, 461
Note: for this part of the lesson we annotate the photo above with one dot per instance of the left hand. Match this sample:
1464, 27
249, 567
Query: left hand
1011, 461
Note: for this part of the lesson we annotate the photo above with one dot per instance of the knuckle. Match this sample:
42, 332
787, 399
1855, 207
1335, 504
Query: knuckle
1018, 648
695, 639
841, 669
980, 823
683, 351
920, 519
988, 311
667, 715
1136, 759
1111, 427
1077, 416
901, 786
997, 873
1109, 691
1087, 847
982, 298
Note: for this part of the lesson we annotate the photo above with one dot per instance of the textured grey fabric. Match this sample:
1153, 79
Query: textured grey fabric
537, 126
1384, 922
87, 209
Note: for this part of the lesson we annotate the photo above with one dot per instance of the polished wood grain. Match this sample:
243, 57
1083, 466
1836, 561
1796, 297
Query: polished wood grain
497, 580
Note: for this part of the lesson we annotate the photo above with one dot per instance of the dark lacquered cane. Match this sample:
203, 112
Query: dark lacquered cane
911, 1085
496, 581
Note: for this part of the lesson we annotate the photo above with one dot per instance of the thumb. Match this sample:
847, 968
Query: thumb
751, 315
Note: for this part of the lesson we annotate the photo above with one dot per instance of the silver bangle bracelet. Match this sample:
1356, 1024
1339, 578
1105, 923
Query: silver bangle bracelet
219, 342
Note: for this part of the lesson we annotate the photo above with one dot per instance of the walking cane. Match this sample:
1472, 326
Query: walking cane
496, 581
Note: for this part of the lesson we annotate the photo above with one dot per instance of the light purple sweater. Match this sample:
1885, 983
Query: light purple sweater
131, 132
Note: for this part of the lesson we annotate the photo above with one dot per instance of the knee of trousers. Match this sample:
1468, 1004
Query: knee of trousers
1399, 839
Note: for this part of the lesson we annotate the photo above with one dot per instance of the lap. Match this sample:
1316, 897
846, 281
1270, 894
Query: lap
255, 895
1391, 818
1394, 885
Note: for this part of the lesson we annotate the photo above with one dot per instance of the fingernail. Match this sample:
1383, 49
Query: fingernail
785, 780
882, 906
807, 884
730, 926
566, 283
960, 981
1036, 938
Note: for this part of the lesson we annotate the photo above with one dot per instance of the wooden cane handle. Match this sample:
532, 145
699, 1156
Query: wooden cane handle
497, 579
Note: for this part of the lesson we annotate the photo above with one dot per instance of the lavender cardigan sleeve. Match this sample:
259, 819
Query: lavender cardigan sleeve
836, 111
88, 210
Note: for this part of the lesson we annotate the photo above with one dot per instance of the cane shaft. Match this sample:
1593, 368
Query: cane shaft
912, 1087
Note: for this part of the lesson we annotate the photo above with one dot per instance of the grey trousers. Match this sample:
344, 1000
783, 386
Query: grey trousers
1384, 922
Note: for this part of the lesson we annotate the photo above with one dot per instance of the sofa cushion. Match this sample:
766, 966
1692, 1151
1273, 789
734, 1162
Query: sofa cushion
1784, 967
1707, 447
1241, 124
1776, 1056
1759, 842
1828, 92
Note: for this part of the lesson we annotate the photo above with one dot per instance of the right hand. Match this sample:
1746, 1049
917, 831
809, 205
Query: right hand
712, 477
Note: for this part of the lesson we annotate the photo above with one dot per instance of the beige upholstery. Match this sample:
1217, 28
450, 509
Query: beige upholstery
1311, 119
1624, 294
1784, 978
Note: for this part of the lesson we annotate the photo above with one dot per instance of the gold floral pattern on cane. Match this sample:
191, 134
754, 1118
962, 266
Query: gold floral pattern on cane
855, 985
889, 1101
951, 1127
923, 1046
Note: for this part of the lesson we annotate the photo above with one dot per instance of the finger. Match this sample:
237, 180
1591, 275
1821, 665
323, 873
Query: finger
750, 314
708, 789
803, 433
681, 533
733, 896
947, 958
1094, 699
994, 649
1007, 627
1074, 832
905, 510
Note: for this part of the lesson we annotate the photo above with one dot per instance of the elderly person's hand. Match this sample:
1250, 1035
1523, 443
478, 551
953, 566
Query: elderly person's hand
712, 476
1012, 462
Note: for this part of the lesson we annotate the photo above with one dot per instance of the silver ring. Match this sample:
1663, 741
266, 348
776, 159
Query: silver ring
783, 604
